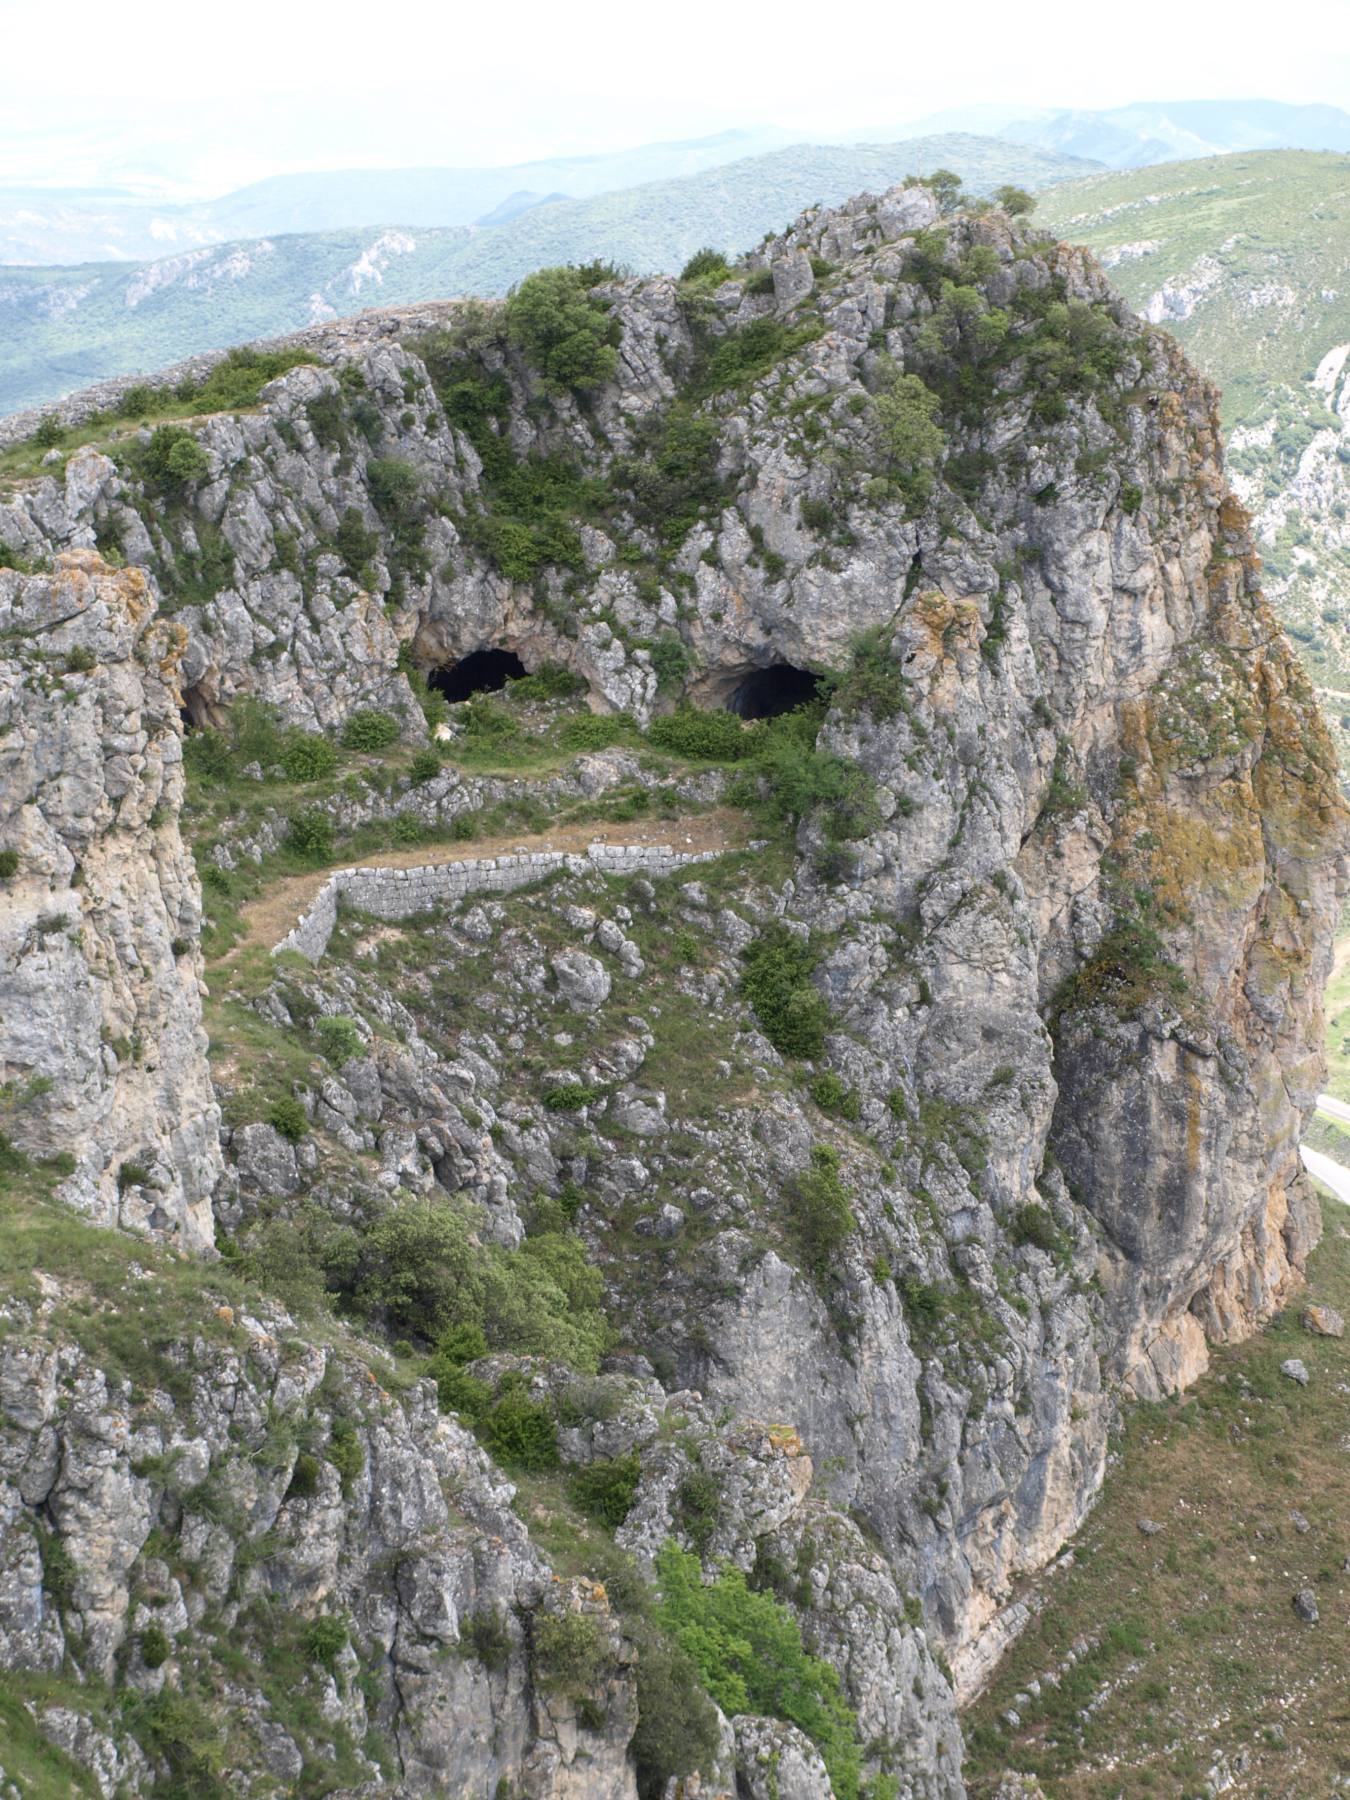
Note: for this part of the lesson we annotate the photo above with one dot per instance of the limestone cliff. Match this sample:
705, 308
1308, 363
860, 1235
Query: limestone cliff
102, 1051
871, 1171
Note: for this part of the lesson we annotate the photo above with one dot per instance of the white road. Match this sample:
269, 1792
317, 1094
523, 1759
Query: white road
1333, 1108
1335, 1175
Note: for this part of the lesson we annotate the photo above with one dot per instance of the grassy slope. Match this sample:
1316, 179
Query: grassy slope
1273, 229
1277, 217
1196, 1650
63, 328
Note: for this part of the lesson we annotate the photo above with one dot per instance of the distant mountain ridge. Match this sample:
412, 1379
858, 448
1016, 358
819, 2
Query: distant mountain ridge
1148, 132
63, 328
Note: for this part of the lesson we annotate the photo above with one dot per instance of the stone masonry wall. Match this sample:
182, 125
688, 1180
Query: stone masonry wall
403, 893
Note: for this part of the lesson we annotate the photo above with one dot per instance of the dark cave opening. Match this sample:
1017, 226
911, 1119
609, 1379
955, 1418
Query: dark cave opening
194, 711
481, 672
765, 693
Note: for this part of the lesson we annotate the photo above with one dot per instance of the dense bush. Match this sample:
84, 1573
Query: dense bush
425, 766
288, 1116
339, 1039
325, 1638
822, 1217
173, 459
905, 413
310, 834
604, 1490
714, 736
356, 545
593, 731
370, 729
570, 1654
9, 864
777, 983
550, 681
308, 756
672, 478
671, 662
564, 333
154, 1647
49, 432
748, 1648
1014, 200
706, 265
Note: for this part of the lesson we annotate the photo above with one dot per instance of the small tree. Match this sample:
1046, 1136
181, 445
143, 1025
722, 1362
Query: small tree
912, 441
946, 185
1014, 200
563, 333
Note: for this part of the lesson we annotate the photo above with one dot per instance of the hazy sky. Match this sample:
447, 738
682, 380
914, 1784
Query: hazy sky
210, 98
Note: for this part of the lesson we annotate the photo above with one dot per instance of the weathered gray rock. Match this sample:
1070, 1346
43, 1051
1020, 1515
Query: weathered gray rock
776, 1761
100, 1017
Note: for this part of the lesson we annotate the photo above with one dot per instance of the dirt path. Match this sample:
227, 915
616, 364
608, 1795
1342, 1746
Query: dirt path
267, 919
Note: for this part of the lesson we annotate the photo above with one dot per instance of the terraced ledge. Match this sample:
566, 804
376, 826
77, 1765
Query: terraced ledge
390, 893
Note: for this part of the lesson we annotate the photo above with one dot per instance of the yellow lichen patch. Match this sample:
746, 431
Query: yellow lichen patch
1208, 852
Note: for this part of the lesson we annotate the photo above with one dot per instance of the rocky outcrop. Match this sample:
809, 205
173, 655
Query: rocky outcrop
102, 1052
1061, 922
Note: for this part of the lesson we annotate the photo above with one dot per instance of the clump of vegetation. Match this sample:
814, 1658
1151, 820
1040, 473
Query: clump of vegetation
370, 729
310, 834
904, 412
288, 1116
822, 1216
706, 265
338, 1038
173, 460
793, 1014
563, 331
748, 1648
604, 1489
711, 736
308, 756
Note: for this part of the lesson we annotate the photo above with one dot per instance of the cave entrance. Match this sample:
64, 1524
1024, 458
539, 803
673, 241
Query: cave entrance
781, 688
195, 711
481, 672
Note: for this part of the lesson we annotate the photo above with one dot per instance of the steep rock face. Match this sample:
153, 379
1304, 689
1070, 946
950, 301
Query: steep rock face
101, 1042
1072, 949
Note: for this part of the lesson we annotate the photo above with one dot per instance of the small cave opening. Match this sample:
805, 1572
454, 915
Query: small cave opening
481, 672
765, 693
194, 712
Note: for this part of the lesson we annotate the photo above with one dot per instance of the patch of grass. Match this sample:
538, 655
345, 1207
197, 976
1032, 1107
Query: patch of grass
1194, 1647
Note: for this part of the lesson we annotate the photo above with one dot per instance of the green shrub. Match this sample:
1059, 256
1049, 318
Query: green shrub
570, 1096
407, 828
1014, 200
310, 834
677, 1724
792, 779
671, 662
308, 756
564, 333
177, 1730
593, 731
9, 864
355, 544
49, 432
339, 1039
905, 413
304, 1483
173, 459
154, 1647
1034, 1224
698, 1507
748, 1648
519, 1431
550, 681
604, 1490
344, 1451
324, 1640
711, 736
425, 766
777, 983
571, 1659
822, 1217
486, 1636
132, 1175
80, 660
1131, 498
370, 729
287, 1116
706, 265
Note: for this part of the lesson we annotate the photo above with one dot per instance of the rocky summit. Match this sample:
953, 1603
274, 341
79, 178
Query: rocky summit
660, 942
